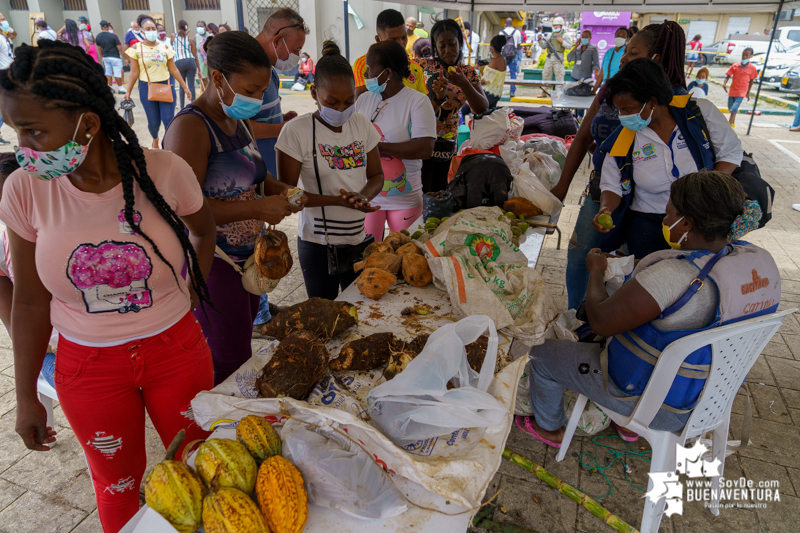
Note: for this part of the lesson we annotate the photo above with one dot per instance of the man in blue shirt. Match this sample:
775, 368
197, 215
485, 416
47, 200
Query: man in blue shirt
282, 37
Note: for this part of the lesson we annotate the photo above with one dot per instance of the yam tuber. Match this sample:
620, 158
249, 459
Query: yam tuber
299, 362
416, 270
365, 354
272, 255
397, 239
324, 318
522, 207
476, 352
374, 283
385, 261
408, 248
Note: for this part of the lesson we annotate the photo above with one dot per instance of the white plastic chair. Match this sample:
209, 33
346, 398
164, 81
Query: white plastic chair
734, 350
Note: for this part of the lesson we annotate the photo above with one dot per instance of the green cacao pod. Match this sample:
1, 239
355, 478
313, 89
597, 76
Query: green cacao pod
237, 468
229, 510
259, 437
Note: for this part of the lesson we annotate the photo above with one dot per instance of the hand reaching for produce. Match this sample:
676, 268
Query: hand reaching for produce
602, 221
596, 261
273, 209
456, 77
356, 201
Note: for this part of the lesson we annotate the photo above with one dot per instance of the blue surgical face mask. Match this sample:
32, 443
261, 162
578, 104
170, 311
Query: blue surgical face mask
336, 118
584, 41
373, 86
4, 25
745, 61
151, 35
700, 81
635, 122
201, 30
242, 107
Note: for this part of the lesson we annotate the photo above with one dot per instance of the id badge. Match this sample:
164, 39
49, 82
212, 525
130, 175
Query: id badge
578, 62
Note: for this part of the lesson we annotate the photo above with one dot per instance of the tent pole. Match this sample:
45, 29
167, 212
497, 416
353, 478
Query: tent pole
766, 60
347, 31
472, 27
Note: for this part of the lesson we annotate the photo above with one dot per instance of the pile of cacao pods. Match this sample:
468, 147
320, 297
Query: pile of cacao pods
218, 494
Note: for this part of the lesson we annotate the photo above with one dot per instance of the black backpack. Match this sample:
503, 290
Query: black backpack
747, 174
548, 120
509, 51
482, 180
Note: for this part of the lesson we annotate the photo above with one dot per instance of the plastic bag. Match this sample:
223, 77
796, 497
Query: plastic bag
338, 474
438, 206
544, 167
527, 185
511, 152
491, 130
593, 420
617, 270
553, 147
417, 404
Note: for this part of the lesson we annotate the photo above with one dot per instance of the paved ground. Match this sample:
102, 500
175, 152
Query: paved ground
51, 491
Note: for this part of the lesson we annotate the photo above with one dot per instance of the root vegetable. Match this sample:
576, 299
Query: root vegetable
385, 261
416, 270
409, 248
476, 352
396, 240
324, 318
299, 362
365, 354
522, 207
374, 283
272, 255
377, 247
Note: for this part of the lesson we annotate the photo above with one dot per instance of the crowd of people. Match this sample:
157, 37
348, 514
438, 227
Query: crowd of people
145, 293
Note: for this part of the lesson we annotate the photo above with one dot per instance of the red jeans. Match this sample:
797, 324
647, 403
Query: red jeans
104, 393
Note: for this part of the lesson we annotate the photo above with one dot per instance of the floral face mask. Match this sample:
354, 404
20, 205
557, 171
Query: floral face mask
55, 163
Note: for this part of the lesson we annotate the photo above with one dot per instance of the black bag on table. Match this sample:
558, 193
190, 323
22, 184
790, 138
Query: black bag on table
548, 120
482, 180
582, 89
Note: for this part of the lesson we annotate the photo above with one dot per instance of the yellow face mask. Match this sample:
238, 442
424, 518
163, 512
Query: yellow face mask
666, 231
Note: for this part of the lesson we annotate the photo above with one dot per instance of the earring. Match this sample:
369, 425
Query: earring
88, 135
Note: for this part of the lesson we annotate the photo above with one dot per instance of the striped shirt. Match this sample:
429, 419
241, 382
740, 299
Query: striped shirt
183, 48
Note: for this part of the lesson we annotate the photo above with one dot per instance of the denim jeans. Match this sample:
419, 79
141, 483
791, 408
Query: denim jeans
157, 112
794, 124
513, 66
263, 315
584, 238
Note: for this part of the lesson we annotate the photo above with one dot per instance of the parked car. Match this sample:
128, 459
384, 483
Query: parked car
708, 55
779, 64
790, 83
732, 49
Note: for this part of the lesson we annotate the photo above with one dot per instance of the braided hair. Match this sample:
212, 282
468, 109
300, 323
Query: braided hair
447, 25
67, 78
332, 64
668, 41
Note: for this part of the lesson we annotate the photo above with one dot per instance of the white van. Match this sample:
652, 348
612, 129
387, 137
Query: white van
731, 49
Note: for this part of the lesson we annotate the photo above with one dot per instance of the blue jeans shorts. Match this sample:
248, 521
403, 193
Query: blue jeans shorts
113, 66
734, 102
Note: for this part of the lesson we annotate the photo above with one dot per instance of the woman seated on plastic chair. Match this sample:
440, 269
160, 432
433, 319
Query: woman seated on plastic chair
713, 279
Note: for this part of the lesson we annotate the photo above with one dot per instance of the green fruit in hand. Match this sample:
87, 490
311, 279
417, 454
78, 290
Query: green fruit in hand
416, 235
405, 232
605, 221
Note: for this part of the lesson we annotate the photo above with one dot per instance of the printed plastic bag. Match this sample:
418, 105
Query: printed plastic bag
417, 404
544, 167
527, 185
338, 474
593, 420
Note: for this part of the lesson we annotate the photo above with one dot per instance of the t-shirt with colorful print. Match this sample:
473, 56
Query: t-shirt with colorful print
447, 100
154, 58
107, 281
416, 80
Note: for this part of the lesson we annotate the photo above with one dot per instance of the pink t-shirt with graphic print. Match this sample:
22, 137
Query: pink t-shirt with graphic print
107, 283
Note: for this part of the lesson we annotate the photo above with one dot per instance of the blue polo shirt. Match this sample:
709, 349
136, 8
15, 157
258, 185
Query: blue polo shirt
270, 114
611, 62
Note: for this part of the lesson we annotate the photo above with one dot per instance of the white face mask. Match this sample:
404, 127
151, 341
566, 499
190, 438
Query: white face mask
285, 64
619, 42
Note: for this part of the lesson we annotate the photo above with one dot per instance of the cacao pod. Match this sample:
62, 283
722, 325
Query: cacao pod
259, 437
229, 510
237, 468
174, 491
282, 496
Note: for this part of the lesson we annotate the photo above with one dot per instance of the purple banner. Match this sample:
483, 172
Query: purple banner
606, 18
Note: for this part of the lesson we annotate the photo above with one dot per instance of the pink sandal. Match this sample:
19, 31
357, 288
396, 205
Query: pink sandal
625, 434
532, 432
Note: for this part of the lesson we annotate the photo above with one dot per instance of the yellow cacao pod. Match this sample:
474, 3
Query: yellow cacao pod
229, 510
237, 468
282, 496
174, 491
259, 437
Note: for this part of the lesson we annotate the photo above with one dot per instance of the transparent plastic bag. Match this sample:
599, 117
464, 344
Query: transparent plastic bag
544, 167
417, 403
338, 474
528, 186
553, 147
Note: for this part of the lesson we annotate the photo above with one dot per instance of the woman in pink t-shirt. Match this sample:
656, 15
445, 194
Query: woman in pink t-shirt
97, 232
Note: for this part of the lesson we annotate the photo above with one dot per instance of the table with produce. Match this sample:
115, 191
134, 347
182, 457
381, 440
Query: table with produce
387, 409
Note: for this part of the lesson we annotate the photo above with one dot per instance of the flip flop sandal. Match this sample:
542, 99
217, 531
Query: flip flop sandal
532, 432
625, 434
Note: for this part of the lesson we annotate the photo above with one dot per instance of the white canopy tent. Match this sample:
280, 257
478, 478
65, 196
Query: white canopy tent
654, 6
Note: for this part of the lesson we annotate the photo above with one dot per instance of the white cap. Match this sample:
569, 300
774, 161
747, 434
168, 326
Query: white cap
558, 21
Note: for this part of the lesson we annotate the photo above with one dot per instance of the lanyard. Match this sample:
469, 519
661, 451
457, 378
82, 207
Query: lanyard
675, 173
